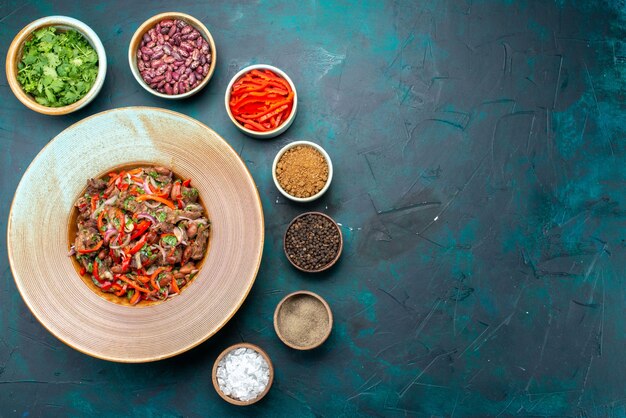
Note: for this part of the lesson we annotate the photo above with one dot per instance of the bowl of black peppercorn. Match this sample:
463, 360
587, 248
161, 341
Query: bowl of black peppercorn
313, 242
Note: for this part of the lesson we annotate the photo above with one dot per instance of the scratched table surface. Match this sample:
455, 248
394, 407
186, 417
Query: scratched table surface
479, 155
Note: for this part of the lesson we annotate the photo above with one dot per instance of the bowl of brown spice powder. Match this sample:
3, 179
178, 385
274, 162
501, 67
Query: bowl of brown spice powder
303, 320
302, 171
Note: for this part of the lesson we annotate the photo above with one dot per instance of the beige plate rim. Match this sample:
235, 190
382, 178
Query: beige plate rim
28, 302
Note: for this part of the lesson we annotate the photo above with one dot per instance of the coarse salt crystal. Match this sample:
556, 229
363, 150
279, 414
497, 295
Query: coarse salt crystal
243, 374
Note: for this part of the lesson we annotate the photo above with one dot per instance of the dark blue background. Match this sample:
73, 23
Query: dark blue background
480, 173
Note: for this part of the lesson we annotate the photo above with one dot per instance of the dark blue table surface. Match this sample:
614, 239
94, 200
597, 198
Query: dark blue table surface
479, 153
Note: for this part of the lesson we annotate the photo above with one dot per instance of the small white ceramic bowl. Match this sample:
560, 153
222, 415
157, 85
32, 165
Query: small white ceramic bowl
326, 157
14, 56
279, 129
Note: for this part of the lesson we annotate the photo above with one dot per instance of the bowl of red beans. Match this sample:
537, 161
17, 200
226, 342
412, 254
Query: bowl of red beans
172, 55
261, 100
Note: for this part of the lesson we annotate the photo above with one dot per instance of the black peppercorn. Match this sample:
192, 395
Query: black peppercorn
312, 241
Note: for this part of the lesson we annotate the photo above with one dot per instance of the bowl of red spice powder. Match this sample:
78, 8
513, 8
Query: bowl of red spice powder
302, 171
261, 101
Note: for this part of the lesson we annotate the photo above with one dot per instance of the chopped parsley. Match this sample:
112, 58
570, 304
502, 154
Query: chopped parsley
58, 69
191, 192
170, 240
161, 216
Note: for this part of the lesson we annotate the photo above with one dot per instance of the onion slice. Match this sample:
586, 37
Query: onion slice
147, 216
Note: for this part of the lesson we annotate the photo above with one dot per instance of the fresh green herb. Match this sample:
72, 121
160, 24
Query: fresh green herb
127, 201
170, 240
129, 222
191, 192
145, 250
161, 216
153, 174
90, 267
58, 69
130, 294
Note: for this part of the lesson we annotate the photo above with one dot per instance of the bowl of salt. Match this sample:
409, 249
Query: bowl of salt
243, 374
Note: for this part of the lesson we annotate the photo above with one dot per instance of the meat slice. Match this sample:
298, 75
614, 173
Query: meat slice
199, 245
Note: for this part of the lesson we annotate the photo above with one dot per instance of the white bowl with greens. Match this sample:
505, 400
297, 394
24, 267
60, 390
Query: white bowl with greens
56, 65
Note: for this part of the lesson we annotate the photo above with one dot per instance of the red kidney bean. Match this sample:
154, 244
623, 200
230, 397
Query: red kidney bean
173, 57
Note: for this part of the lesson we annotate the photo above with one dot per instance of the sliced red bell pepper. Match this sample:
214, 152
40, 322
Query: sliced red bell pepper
125, 264
166, 202
252, 123
91, 250
96, 273
140, 228
273, 113
100, 223
187, 183
174, 286
135, 298
94, 203
120, 289
138, 246
132, 284
143, 279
